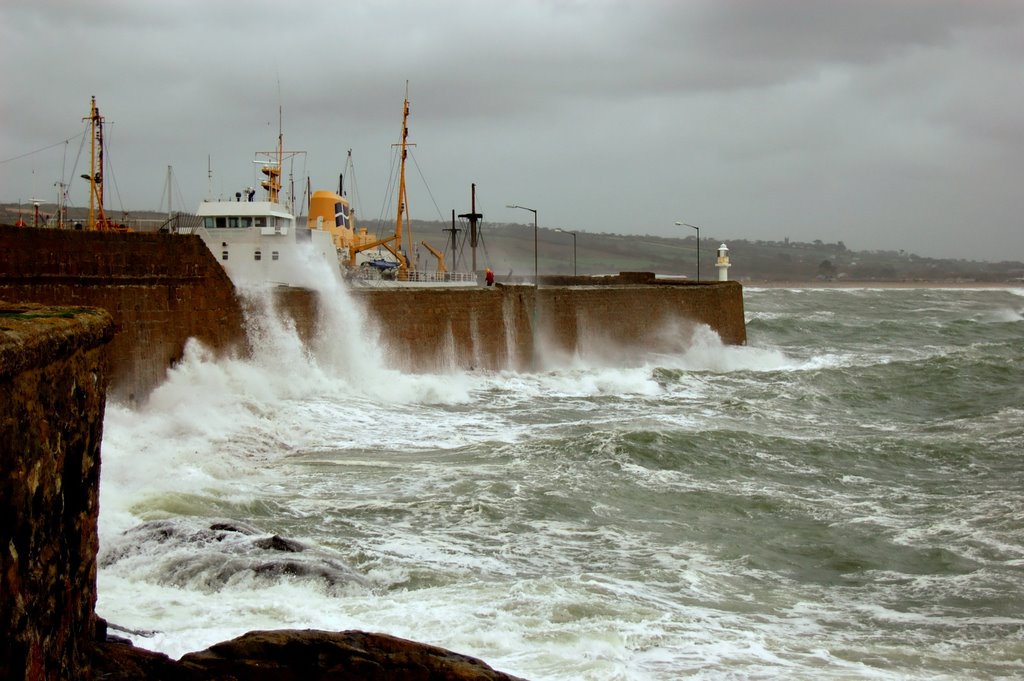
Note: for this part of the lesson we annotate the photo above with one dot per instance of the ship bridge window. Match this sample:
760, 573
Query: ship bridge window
244, 222
260, 221
222, 222
209, 223
257, 255
232, 221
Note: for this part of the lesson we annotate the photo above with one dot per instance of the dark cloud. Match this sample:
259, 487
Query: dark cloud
883, 124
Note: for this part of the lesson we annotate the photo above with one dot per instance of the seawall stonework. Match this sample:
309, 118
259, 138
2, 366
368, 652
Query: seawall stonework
492, 328
52, 381
160, 290
163, 289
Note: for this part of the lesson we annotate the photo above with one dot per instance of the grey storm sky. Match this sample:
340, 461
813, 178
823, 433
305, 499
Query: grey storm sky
885, 124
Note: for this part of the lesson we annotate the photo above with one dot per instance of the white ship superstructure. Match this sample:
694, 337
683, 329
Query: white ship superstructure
258, 242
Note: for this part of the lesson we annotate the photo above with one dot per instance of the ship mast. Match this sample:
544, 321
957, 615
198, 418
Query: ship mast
403, 204
273, 167
97, 219
273, 170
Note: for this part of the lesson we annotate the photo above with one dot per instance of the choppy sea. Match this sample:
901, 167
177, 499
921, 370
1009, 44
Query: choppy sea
843, 498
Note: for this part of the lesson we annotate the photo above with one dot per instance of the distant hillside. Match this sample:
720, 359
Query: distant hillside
508, 248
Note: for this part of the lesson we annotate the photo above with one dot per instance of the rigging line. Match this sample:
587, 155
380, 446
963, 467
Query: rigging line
62, 196
30, 153
163, 193
429, 193
389, 191
305, 185
181, 199
110, 166
74, 168
64, 168
460, 246
355, 188
487, 256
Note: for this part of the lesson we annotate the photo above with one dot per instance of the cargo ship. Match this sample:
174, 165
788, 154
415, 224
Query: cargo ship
261, 242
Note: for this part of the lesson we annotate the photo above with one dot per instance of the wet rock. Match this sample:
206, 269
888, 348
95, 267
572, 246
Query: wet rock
279, 543
298, 656
210, 556
115, 660
233, 526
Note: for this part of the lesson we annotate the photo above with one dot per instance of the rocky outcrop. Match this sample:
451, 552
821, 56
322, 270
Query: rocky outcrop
298, 656
52, 382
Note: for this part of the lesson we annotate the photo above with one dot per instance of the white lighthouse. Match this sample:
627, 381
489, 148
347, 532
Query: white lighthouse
722, 263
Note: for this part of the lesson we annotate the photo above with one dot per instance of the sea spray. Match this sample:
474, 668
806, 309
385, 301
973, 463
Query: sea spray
508, 320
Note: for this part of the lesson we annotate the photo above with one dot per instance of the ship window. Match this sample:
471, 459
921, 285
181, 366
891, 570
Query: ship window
257, 256
223, 255
260, 222
222, 222
209, 222
232, 222
271, 221
244, 222
273, 255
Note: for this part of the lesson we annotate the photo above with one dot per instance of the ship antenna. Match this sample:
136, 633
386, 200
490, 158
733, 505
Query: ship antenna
280, 130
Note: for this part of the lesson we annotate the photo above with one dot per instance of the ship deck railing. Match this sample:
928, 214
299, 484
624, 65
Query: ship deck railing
369, 276
439, 277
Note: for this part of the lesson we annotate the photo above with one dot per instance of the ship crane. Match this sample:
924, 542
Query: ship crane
441, 269
386, 243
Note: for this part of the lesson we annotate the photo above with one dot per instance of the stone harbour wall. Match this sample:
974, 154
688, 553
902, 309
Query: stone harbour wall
492, 328
53, 377
160, 289
163, 289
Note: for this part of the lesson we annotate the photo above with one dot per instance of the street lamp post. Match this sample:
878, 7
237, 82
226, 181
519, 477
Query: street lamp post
684, 224
534, 239
559, 229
